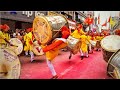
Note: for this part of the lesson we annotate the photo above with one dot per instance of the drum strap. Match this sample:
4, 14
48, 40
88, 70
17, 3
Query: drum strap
57, 33
54, 36
3, 72
62, 39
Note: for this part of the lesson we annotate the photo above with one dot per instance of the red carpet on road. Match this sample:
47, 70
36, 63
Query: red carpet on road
93, 67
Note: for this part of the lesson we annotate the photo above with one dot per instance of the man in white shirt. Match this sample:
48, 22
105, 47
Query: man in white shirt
16, 34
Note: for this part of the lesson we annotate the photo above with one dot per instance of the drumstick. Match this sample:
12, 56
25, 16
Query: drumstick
9, 43
57, 32
14, 45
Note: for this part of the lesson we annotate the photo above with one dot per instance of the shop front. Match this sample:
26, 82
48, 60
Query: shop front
19, 19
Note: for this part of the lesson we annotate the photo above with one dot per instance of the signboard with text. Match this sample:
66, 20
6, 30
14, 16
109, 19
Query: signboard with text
25, 16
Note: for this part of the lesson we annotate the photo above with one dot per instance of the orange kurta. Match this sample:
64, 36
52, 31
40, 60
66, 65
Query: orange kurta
51, 54
52, 50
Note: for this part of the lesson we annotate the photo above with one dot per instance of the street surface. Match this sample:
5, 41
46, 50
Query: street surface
93, 67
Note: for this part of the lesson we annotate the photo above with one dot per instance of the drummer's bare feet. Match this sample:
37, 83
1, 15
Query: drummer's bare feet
90, 52
87, 56
82, 57
32, 60
54, 77
70, 56
99, 49
96, 50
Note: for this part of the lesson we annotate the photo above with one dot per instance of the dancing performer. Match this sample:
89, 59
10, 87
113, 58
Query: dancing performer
78, 31
89, 44
29, 38
84, 46
80, 34
76, 34
52, 49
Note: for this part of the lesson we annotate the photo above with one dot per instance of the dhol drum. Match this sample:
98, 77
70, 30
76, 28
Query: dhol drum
18, 46
73, 44
37, 49
35, 43
9, 64
110, 44
113, 68
47, 27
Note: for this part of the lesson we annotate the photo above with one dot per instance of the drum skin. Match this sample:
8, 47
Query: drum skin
35, 48
9, 64
110, 44
113, 67
36, 51
18, 48
45, 26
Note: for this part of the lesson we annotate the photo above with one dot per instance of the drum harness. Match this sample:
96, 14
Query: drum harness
54, 36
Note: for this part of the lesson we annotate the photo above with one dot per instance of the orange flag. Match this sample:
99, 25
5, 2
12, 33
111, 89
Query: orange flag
105, 24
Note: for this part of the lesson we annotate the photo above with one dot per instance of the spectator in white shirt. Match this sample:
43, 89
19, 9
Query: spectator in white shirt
16, 34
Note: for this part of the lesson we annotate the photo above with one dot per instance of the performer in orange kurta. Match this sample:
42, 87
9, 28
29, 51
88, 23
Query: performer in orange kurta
52, 50
88, 20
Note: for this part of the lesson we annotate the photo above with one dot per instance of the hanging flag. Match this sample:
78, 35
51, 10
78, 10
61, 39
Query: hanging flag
112, 22
99, 19
109, 19
89, 20
109, 22
105, 24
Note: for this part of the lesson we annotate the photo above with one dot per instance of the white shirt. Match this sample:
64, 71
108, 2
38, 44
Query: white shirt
14, 35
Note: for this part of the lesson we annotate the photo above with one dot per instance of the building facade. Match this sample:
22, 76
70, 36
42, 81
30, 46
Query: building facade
24, 19
19, 19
